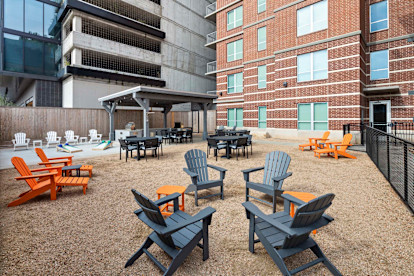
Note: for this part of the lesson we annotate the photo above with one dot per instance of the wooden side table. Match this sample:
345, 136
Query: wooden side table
306, 197
40, 142
83, 140
168, 190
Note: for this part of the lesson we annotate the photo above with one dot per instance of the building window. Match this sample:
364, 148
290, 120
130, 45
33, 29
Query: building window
312, 18
13, 53
261, 39
235, 50
235, 83
313, 116
313, 66
235, 18
378, 14
235, 117
261, 6
13, 14
261, 76
262, 117
379, 65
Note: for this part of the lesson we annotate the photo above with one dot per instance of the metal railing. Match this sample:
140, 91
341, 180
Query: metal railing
394, 157
355, 127
404, 130
211, 8
211, 37
211, 66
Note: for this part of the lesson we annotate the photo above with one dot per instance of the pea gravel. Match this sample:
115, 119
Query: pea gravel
96, 233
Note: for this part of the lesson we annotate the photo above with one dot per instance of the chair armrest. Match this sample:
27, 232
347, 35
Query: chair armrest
346, 145
14, 141
58, 158
99, 136
76, 137
251, 208
35, 176
203, 214
47, 169
282, 177
168, 198
54, 162
59, 138
292, 199
246, 173
221, 170
28, 141
193, 175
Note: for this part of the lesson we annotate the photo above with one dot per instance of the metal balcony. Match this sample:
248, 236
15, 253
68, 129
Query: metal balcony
211, 12
211, 67
211, 39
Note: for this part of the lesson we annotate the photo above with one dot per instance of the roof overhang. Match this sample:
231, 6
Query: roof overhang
158, 97
382, 89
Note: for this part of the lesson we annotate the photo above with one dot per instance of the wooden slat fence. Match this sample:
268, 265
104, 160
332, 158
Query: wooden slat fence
37, 121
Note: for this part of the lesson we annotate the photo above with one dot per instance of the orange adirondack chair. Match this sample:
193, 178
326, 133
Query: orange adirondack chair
335, 151
313, 142
36, 187
66, 160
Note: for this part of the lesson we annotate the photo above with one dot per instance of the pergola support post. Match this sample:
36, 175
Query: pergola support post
110, 108
205, 131
165, 112
144, 103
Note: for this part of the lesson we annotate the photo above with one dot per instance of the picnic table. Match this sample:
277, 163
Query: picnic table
228, 140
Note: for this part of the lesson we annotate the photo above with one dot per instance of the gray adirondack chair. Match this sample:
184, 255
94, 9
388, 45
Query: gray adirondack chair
177, 235
275, 172
197, 169
284, 236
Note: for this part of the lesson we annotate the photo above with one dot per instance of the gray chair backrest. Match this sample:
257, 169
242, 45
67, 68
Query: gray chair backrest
242, 141
211, 142
277, 164
306, 215
197, 162
152, 211
234, 127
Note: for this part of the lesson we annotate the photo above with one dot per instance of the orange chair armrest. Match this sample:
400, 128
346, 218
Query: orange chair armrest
47, 169
331, 143
63, 157
54, 162
35, 176
346, 145
321, 139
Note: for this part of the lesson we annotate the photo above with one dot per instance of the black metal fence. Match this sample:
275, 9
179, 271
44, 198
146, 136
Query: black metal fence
355, 127
403, 130
394, 157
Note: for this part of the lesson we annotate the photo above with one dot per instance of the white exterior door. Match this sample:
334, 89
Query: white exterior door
380, 115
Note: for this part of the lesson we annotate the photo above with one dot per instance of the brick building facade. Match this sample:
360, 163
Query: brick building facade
316, 57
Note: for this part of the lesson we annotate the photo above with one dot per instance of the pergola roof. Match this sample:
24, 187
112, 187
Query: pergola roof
158, 97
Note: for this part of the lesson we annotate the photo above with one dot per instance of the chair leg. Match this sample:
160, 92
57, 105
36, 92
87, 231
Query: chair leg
205, 239
148, 242
237, 154
196, 197
274, 201
120, 153
247, 194
216, 153
247, 151
251, 233
222, 192
318, 252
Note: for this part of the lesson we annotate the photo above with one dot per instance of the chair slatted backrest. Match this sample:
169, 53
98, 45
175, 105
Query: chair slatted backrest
151, 143
51, 136
306, 215
153, 213
123, 144
70, 134
93, 133
242, 141
221, 132
23, 170
42, 156
277, 164
326, 135
346, 141
197, 162
20, 138
212, 142
234, 127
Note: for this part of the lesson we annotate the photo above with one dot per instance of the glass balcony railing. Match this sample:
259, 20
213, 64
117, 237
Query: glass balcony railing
211, 66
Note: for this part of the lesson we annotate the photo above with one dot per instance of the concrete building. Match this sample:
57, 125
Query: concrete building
291, 68
111, 45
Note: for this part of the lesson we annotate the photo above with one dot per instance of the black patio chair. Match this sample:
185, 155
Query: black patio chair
213, 144
165, 135
124, 145
220, 132
188, 135
249, 142
160, 142
177, 136
234, 127
150, 144
177, 235
283, 236
241, 143
197, 169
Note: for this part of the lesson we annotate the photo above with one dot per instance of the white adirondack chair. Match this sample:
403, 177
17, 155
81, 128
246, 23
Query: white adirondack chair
71, 137
95, 137
20, 140
52, 138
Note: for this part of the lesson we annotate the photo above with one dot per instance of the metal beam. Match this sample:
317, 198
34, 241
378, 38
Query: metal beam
144, 103
205, 109
110, 108
165, 112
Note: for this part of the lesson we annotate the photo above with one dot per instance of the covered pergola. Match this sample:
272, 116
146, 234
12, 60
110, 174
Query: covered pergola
154, 97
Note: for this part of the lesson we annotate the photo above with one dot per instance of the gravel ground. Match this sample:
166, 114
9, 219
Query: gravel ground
96, 233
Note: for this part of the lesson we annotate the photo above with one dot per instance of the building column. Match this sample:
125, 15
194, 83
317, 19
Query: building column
77, 24
205, 132
110, 108
165, 112
76, 57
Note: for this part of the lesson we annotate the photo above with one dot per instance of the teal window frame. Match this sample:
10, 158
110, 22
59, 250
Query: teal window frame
235, 18
261, 39
235, 50
262, 76
262, 122
310, 119
261, 6
235, 83
237, 114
